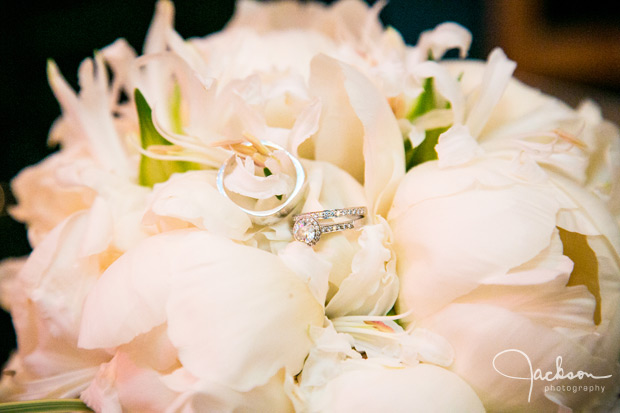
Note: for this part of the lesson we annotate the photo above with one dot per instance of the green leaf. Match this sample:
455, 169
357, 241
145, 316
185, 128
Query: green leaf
175, 109
425, 102
424, 151
47, 405
153, 171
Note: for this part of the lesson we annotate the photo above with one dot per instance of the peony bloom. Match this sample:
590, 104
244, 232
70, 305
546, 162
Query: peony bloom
507, 235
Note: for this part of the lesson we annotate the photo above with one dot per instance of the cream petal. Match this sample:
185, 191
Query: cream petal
119, 56
434, 119
330, 187
9, 268
162, 21
383, 144
46, 305
497, 74
431, 347
443, 254
191, 197
551, 303
329, 349
60, 272
442, 38
306, 125
202, 395
120, 201
521, 109
375, 388
25, 386
468, 327
43, 199
456, 146
168, 278
585, 213
89, 113
354, 110
432, 182
255, 337
140, 285
121, 385
243, 180
550, 264
151, 84
339, 139
311, 267
372, 286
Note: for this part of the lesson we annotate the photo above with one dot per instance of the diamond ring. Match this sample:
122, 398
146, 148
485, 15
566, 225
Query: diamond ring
268, 216
308, 227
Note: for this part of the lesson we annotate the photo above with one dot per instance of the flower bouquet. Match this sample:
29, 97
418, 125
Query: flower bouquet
303, 213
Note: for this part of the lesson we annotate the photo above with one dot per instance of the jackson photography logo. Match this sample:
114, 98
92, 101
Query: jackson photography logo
550, 376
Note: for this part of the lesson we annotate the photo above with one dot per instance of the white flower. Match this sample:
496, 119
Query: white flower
235, 322
501, 237
45, 299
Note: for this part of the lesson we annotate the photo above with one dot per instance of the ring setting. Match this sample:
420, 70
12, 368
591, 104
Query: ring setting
308, 227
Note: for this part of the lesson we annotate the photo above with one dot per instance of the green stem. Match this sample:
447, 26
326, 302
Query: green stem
43, 406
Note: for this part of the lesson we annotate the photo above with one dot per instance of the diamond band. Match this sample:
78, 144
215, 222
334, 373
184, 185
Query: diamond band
308, 229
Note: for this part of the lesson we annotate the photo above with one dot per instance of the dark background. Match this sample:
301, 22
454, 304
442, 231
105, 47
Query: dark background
68, 32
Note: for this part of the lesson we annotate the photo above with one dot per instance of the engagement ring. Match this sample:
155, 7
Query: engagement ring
308, 227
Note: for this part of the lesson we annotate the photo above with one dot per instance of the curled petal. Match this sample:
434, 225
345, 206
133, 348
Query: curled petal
372, 286
442, 38
456, 146
193, 199
244, 181
497, 74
